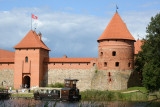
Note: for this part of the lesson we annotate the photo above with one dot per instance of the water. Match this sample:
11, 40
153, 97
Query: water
39, 103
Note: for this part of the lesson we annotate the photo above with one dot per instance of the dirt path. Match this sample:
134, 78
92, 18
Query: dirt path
130, 91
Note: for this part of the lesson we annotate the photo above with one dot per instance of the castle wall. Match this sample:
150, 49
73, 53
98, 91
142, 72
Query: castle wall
116, 80
69, 65
57, 72
90, 78
6, 74
83, 75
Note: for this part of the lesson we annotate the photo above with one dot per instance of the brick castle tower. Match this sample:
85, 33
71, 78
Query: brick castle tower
30, 53
115, 55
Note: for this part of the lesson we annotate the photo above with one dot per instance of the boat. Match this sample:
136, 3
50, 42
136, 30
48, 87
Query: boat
4, 94
69, 93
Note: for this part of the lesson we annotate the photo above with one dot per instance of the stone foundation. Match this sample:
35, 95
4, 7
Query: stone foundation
6, 77
116, 80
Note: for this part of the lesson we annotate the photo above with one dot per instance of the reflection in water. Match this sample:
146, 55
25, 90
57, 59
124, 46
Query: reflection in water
39, 103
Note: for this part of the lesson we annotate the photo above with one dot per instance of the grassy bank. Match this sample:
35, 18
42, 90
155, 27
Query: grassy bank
96, 95
22, 95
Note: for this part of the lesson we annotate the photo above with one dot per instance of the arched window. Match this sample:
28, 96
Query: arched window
26, 59
114, 53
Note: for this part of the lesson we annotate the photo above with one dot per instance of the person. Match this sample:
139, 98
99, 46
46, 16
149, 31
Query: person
29, 90
7, 87
10, 89
17, 91
20, 86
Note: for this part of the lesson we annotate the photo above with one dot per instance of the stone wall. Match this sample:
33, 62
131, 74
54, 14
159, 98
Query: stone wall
58, 75
91, 78
110, 80
6, 77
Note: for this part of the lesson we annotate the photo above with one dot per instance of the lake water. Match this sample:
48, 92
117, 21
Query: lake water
39, 103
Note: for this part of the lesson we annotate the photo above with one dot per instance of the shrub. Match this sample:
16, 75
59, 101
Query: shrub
57, 85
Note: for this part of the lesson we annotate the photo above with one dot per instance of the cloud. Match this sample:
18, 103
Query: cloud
64, 33
138, 21
149, 4
72, 34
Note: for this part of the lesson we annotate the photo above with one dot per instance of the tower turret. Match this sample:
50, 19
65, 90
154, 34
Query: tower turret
116, 46
115, 61
30, 53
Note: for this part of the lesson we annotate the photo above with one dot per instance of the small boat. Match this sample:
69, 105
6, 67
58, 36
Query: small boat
69, 93
4, 94
47, 93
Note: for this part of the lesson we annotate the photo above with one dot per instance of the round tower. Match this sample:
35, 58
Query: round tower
115, 61
116, 46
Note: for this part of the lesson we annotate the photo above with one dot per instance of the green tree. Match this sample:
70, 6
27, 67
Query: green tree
148, 60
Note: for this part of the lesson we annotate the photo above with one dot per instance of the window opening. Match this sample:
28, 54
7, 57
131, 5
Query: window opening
94, 64
109, 74
105, 64
101, 53
114, 53
26, 59
110, 80
129, 64
117, 64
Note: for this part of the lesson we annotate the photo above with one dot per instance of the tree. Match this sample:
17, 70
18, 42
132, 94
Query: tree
148, 60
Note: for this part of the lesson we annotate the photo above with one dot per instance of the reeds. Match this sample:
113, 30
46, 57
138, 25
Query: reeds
96, 95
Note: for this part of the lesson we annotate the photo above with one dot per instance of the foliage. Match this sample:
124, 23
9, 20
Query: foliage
57, 85
96, 71
2, 88
148, 60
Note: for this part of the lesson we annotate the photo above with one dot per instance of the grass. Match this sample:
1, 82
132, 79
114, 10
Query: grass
96, 95
56, 85
22, 95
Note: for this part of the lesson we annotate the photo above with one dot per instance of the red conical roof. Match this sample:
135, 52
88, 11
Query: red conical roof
31, 40
116, 29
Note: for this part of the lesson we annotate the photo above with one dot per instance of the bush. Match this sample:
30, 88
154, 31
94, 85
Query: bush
57, 85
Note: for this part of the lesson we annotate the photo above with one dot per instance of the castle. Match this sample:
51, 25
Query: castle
30, 63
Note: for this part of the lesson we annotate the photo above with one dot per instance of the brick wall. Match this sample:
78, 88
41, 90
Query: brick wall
116, 51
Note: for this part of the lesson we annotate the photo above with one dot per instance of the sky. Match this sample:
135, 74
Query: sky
71, 27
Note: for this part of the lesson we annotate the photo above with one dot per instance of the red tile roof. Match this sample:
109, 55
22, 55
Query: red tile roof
116, 29
6, 56
70, 59
31, 40
137, 46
